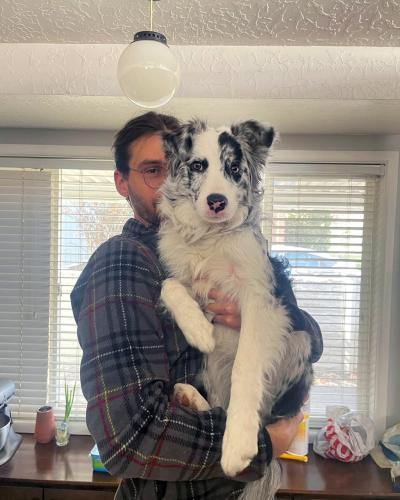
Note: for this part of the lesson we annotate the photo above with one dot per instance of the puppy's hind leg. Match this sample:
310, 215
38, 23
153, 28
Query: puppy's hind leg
292, 381
187, 395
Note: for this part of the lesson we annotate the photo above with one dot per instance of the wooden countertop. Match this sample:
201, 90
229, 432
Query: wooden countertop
49, 465
323, 478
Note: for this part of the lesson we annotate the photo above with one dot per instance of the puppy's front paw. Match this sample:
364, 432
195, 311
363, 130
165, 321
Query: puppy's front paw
199, 333
187, 395
239, 447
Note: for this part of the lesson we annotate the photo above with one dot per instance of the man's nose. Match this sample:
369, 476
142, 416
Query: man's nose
217, 202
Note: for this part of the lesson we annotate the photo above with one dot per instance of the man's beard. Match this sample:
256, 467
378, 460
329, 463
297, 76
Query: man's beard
142, 211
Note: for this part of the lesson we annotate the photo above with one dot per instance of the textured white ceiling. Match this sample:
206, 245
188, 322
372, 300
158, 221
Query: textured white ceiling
218, 72
204, 22
299, 89
58, 61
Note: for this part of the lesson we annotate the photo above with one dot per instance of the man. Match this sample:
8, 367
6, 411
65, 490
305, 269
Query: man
133, 354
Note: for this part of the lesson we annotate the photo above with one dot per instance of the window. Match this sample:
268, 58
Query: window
25, 212
324, 221
87, 211
326, 227
51, 221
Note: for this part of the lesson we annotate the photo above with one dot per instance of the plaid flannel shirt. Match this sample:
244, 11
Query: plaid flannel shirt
132, 358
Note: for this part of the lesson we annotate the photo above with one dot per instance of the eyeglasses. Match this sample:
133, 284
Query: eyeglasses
153, 175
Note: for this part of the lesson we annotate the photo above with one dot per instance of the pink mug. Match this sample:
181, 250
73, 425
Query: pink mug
45, 428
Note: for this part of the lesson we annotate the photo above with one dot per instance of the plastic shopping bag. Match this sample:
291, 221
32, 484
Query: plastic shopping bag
348, 435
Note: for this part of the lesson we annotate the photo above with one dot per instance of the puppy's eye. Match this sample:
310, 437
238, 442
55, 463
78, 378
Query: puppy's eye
235, 168
198, 166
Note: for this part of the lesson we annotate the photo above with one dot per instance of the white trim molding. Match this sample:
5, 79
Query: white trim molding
389, 300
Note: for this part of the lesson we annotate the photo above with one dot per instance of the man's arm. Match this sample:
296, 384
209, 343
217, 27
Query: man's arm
125, 377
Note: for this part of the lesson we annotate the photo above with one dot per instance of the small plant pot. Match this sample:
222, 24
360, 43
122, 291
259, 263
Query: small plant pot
62, 433
45, 427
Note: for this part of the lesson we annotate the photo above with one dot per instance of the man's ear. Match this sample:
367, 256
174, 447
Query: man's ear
121, 184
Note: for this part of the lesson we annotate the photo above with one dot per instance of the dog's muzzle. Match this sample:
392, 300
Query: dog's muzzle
217, 202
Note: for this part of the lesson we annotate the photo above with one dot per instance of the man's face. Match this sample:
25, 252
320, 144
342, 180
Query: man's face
146, 155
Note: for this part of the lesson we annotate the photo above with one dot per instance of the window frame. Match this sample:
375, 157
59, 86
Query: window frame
390, 199
71, 156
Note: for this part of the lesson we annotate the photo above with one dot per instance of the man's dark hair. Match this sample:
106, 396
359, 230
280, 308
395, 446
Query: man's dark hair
147, 124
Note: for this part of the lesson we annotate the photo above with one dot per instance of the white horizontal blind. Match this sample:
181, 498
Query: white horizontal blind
52, 220
89, 211
325, 225
25, 222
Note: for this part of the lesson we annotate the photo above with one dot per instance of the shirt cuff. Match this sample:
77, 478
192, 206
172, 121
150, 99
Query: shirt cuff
261, 461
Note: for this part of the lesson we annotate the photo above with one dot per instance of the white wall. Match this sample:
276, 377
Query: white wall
287, 141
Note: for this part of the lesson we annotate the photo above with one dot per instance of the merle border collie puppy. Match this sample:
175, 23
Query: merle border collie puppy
210, 237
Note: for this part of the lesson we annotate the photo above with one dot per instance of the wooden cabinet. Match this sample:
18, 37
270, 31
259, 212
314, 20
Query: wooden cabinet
33, 493
20, 493
68, 494
46, 472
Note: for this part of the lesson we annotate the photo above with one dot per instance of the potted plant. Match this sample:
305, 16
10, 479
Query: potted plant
62, 428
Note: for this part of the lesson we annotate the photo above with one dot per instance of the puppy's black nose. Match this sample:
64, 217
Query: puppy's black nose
217, 202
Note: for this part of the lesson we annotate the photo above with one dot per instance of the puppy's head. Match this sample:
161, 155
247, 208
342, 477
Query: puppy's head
216, 174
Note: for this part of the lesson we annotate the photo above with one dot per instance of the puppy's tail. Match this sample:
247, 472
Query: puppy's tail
266, 487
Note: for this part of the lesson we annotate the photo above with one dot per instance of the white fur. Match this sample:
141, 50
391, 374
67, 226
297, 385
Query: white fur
236, 264
188, 395
244, 372
206, 146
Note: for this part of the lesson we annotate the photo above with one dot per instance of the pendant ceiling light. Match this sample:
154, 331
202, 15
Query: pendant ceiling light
148, 72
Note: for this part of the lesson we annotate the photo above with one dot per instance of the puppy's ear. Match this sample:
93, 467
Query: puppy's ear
257, 137
181, 142
195, 126
172, 143
179, 145
255, 140
189, 131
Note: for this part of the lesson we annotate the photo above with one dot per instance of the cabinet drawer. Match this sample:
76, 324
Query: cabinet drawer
66, 494
20, 493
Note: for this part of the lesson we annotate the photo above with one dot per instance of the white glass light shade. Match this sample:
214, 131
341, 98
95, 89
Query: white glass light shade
148, 73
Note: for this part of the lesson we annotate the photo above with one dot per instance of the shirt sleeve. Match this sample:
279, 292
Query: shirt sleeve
301, 320
125, 377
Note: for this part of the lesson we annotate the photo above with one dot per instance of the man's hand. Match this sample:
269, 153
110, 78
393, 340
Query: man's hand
225, 311
283, 432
